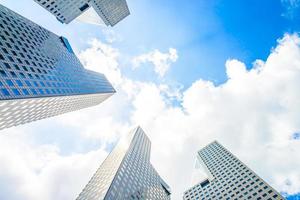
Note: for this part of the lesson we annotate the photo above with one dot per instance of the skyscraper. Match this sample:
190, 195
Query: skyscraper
110, 11
228, 178
40, 76
127, 173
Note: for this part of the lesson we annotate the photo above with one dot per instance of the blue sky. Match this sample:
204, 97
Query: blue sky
205, 34
204, 94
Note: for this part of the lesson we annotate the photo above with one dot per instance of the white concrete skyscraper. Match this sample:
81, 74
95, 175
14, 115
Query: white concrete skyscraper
228, 178
40, 76
110, 11
127, 173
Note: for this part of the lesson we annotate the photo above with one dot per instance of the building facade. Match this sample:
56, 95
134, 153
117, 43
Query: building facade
127, 173
40, 76
110, 11
228, 178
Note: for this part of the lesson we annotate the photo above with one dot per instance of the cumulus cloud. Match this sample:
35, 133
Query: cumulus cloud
255, 114
102, 58
37, 172
161, 61
258, 108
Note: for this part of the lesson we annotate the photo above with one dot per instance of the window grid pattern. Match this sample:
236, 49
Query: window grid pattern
231, 178
38, 66
21, 111
127, 173
64, 10
110, 11
34, 62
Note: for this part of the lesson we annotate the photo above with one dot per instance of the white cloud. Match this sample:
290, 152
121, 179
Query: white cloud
39, 172
102, 58
258, 108
161, 61
111, 36
254, 114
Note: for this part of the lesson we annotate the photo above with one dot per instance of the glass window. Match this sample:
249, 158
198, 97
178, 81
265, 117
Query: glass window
3, 73
9, 83
5, 92
22, 75
10, 58
41, 91
17, 67
13, 74
16, 92
7, 65
28, 83
19, 83
25, 68
33, 91
25, 91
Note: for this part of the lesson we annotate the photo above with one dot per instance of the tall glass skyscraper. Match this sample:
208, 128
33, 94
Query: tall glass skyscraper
228, 178
127, 173
40, 76
110, 11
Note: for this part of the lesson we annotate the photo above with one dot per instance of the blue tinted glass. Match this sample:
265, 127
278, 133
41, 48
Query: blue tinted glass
1, 84
25, 92
28, 83
50, 63
35, 84
9, 83
5, 92
19, 83
33, 91
16, 92
66, 42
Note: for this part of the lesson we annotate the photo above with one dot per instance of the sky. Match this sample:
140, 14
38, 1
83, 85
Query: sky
188, 74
